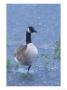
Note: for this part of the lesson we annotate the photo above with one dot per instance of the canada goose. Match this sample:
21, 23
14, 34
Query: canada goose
25, 54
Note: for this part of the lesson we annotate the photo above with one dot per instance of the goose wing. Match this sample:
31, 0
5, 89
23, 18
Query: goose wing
20, 52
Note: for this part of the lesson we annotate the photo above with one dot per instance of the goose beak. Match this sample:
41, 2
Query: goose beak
35, 31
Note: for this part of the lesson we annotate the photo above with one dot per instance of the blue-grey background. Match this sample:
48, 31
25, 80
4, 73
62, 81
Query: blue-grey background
45, 18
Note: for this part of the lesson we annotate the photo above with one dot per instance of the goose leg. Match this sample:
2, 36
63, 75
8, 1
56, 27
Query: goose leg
29, 67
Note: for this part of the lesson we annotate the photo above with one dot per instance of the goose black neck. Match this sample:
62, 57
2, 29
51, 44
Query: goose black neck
28, 37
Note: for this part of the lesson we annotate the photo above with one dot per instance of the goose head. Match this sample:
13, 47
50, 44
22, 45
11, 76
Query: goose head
31, 30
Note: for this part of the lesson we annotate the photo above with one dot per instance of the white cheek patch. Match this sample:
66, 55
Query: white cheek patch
28, 30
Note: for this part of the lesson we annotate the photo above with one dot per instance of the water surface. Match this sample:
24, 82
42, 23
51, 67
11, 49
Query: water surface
45, 19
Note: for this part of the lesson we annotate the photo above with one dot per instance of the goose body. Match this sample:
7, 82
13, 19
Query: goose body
31, 50
25, 54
